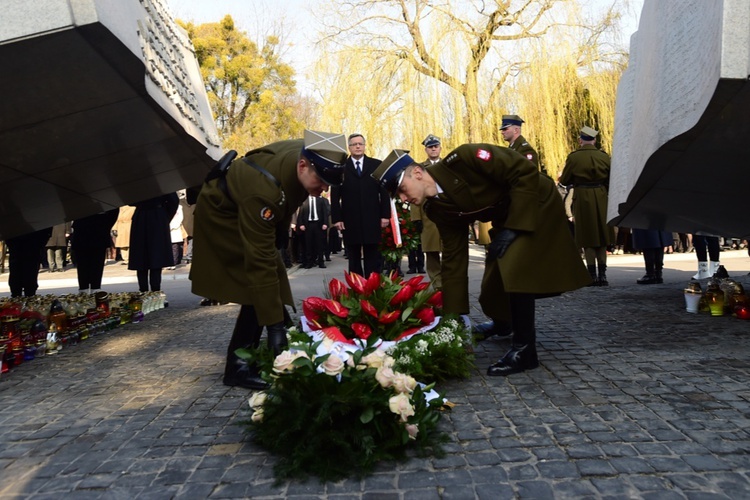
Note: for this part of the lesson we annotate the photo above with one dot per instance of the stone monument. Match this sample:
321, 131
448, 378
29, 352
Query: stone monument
103, 105
681, 149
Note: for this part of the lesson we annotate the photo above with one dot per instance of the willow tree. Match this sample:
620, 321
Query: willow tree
472, 47
251, 91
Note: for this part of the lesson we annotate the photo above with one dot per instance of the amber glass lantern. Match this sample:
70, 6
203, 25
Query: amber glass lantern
715, 298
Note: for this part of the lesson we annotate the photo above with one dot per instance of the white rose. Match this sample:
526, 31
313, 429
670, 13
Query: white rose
413, 430
257, 415
384, 376
333, 365
284, 362
388, 361
403, 383
257, 400
374, 359
400, 405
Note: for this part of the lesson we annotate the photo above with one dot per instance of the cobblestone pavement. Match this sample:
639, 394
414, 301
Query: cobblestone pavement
634, 398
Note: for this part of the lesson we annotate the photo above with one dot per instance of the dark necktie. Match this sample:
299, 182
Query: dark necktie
359, 170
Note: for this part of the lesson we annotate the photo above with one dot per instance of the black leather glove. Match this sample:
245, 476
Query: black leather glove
418, 226
277, 337
500, 243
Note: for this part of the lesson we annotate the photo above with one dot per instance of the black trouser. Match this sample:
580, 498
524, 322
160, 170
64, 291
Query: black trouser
416, 259
24, 271
654, 260
247, 331
372, 259
522, 311
315, 243
146, 276
705, 247
90, 267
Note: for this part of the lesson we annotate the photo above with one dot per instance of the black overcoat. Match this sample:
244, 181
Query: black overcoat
360, 202
150, 243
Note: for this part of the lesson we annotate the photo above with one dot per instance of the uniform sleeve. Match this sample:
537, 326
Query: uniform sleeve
566, 178
455, 267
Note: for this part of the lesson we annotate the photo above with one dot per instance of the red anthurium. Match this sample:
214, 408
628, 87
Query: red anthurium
388, 318
426, 315
436, 299
372, 284
408, 332
403, 295
368, 308
336, 308
317, 303
309, 312
361, 330
416, 280
421, 286
313, 324
337, 289
355, 281
333, 333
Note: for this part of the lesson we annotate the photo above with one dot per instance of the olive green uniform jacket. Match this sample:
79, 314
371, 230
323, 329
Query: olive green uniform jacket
523, 148
495, 184
430, 236
235, 258
587, 170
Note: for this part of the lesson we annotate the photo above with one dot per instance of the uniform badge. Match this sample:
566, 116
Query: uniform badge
266, 213
529, 156
483, 154
450, 159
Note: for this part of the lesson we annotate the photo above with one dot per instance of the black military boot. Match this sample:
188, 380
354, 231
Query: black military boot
238, 372
488, 329
277, 338
602, 280
658, 276
516, 360
592, 273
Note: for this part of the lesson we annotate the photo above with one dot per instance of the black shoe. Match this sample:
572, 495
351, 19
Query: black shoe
206, 302
328, 259
307, 266
648, 279
516, 360
483, 331
322, 266
421, 271
239, 373
411, 271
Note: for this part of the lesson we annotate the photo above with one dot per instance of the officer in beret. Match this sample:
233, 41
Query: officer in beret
242, 210
510, 129
587, 171
532, 254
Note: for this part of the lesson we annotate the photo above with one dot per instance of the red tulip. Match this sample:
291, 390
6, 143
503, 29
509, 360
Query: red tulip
368, 308
355, 281
403, 295
336, 308
394, 277
333, 333
372, 283
421, 286
436, 299
416, 280
426, 315
337, 289
361, 330
388, 318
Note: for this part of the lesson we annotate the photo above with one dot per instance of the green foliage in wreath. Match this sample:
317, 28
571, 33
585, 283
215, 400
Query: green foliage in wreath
409, 236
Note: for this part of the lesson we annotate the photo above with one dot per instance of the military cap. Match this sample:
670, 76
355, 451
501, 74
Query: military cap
588, 133
431, 140
509, 120
327, 154
391, 170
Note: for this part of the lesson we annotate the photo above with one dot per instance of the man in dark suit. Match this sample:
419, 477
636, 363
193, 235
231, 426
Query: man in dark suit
313, 223
360, 209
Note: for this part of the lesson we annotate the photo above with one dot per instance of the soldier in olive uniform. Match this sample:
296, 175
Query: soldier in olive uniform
240, 213
587, 170
532, 253
510, 128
